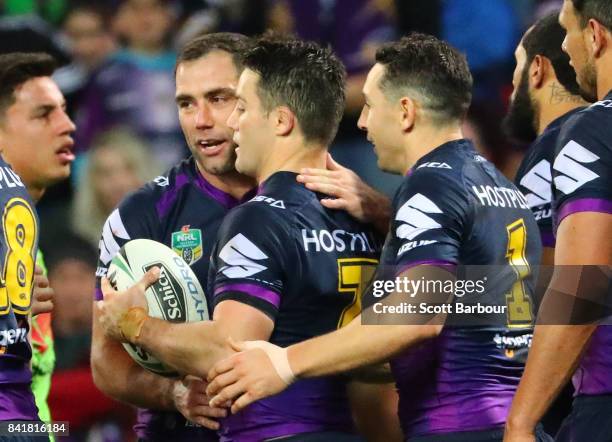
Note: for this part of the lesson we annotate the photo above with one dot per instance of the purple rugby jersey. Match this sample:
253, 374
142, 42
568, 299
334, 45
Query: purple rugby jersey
183, 211
582, 178
454, 209
534, 177
284, 254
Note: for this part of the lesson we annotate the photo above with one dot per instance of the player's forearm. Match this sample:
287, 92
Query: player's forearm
147, 390
119, 377
553, 358
354, 346
190, 348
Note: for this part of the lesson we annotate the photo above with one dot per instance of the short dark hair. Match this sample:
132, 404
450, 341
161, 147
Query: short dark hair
430, 68
545, 38
600, 10
304, 76
232, 43
18, 67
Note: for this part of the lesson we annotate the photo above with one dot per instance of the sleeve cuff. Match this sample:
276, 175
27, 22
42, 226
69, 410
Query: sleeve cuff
446, 265
584, 205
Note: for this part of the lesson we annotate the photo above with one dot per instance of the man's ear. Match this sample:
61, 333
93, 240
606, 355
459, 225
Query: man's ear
284, 120
598, 37
408, 108
538, 70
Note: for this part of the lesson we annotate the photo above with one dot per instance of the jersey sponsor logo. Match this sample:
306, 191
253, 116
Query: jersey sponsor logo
494, 196
113, 230
335, 241
542, 214
514, 347
162, 181
13, 336
435, 165
279, 204
414, 218
413, 245
513, 342
240, 255
539, 183
187, 243
570, 164
9, 179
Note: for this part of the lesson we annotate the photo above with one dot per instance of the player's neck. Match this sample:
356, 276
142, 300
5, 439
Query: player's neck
232, 183
428, 139
36, 192
604, 79
293, 158
556, 102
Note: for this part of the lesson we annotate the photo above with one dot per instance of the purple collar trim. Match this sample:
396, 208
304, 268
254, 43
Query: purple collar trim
223, 198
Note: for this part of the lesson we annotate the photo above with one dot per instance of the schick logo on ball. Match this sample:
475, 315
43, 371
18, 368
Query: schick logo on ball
169, 294
187, 243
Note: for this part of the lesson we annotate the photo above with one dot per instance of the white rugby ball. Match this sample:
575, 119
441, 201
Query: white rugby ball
176, 297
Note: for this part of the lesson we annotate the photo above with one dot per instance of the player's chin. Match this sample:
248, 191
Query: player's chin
219, 165
59, 173
221, 168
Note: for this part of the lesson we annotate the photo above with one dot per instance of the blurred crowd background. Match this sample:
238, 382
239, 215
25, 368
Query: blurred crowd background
118, 78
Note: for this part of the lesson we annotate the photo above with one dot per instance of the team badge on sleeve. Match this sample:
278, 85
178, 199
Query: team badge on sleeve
187, 243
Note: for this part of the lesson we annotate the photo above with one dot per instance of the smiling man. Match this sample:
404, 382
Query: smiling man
284, 268
455, 383
182, 209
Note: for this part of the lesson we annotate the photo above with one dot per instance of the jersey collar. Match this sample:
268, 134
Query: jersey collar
223, 198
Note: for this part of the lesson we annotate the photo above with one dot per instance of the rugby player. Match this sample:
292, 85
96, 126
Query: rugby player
545, 95
454, 383
288, 268
38, 169
182, 209
582, 208
35, 139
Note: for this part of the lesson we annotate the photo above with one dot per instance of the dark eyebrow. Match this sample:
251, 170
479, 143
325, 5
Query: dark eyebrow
220, 91
183, 97
209, 94
45, 109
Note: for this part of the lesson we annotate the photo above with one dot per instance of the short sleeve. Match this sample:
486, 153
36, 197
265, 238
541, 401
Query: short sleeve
131, 220
249, 260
